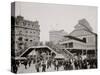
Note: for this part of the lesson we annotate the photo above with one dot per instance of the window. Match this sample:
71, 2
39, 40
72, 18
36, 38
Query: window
20, 38
30, 32
28, 24
24, 23
20, 32
30, 40
84, 39
66, 45
26, 39
71, 45
84, 52
33, 32
32, 25
26, 31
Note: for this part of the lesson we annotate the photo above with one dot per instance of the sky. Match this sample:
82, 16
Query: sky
56, 16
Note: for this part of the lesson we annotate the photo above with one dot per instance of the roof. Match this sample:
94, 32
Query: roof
30, 49
75, 38
83, 24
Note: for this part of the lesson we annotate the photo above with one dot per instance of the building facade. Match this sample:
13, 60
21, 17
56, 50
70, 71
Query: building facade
82, 40
57, 36
27, 34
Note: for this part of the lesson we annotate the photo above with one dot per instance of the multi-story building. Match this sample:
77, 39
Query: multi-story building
82, 40
57, 36
27, 33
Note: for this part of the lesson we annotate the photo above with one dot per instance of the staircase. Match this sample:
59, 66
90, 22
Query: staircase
67, 54
64, 51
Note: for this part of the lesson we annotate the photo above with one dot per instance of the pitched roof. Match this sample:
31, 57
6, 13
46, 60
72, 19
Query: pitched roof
83, 23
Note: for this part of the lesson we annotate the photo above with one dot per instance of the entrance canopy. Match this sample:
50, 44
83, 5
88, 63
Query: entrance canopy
37, 48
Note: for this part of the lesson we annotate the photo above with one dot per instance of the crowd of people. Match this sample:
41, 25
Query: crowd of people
44, 64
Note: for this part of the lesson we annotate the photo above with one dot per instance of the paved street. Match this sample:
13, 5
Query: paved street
30, 69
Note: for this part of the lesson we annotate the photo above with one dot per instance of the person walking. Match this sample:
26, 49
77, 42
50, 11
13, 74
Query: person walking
43, 66
29, 62
25, 64
56, 65
37, 66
